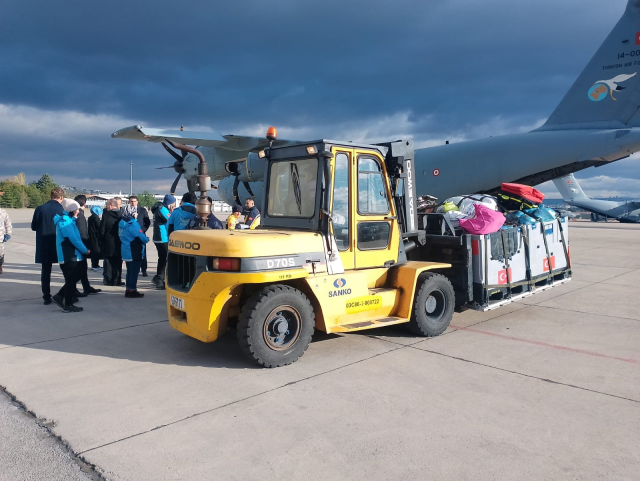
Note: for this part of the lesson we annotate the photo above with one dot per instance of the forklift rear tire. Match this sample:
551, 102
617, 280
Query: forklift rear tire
275, 325
433, 305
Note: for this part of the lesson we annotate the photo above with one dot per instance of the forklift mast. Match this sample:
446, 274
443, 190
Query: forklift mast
399, 163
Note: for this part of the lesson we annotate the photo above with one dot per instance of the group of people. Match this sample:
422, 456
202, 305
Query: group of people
116, 244
117, 234
61, 237
251, 218
64, 236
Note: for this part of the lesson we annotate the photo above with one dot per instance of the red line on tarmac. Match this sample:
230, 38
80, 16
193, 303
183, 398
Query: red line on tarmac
545, 344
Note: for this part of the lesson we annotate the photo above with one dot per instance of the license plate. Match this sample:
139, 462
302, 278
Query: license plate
177, 303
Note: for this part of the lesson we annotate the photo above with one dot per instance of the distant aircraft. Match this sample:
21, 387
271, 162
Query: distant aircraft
589, 128
573, 194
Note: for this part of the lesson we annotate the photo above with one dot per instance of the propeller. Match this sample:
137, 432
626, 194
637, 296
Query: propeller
174, 186
178, 165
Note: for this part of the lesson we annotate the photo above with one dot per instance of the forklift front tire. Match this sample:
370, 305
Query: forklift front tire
276, 325
433, 305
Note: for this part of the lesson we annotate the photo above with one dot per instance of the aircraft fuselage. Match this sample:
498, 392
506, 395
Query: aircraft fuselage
482, 165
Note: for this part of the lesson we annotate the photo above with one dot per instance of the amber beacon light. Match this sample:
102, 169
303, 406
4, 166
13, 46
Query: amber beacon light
272, 133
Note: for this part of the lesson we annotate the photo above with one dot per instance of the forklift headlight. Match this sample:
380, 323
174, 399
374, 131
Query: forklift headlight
223, 264
311, 150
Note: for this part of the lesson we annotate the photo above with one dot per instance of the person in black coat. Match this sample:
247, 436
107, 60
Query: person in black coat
83, 228
110, 245
93, 225
46, 254
145, 223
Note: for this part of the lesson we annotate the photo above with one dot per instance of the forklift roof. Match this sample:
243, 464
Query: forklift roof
300, 149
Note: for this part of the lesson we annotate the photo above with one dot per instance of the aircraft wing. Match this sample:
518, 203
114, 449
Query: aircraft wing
631, 206
206, 139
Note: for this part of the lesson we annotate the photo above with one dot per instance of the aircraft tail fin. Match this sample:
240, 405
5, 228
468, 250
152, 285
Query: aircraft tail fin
569, 188
607, 92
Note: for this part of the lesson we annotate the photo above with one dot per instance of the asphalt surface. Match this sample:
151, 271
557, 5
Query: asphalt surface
547, 388
29, 452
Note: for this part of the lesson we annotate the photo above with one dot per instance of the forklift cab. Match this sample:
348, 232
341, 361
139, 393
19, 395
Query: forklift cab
339, 190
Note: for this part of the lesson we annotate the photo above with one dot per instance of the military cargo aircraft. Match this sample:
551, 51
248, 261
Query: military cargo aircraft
592, 126
573, 194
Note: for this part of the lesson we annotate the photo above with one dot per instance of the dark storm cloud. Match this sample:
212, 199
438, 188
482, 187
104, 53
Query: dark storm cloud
447, 66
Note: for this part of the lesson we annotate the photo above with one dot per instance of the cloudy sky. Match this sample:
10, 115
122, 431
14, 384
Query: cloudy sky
73, 72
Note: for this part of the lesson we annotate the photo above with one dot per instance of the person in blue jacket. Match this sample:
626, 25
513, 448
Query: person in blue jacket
182, 215
132, 247
251, 214
70, 250
161, 212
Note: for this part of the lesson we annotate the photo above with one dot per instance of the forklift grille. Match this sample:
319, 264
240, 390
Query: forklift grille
181, 271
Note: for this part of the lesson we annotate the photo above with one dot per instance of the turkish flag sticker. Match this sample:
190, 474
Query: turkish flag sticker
545, 263
638, 38
503, 276
475, 247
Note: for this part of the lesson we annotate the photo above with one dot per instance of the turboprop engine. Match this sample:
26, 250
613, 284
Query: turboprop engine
245, 180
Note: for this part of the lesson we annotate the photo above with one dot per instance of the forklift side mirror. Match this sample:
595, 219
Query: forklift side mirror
399, 190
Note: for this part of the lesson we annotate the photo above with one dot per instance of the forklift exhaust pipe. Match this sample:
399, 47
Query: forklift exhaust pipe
409, 246
203, 206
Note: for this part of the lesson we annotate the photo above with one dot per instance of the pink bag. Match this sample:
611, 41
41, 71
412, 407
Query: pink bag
486, 221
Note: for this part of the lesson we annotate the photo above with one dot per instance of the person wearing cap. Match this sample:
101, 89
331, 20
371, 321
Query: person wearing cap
110, 244
70, 250
161, 212
234, 219
183, 214
132, 241
93, 225
46, 254
5, 233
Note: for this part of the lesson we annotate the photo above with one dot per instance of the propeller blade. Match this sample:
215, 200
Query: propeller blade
184, 153
174, 186
173, 154
167, 167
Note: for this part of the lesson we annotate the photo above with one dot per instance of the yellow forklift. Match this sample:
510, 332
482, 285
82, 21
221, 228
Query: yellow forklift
338, 250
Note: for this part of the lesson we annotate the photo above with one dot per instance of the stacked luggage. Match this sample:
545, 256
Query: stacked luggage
518, 246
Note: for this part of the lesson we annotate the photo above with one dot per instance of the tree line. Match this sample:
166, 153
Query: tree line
18, 194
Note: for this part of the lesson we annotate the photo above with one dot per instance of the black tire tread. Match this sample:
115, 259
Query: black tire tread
252, 306
414, 325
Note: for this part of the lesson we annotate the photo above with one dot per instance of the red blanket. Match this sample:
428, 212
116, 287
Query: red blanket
529, 193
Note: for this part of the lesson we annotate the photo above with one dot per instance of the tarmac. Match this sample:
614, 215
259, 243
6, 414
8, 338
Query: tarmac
546, 388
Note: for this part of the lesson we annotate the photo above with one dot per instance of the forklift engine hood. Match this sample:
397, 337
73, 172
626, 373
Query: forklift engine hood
245, 243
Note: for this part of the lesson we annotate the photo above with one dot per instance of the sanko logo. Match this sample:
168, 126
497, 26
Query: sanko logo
338, 283
184, 245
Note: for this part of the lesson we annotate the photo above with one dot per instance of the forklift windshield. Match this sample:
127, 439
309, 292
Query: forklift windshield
292, 188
